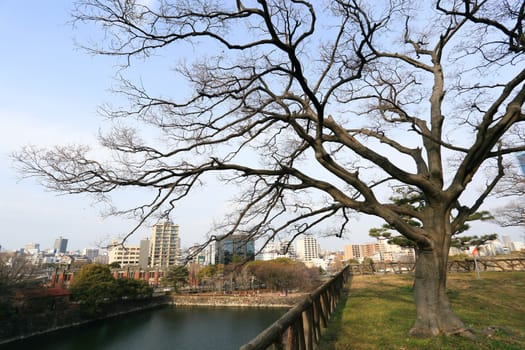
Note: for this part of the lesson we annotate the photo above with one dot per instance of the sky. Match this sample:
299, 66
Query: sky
49, 94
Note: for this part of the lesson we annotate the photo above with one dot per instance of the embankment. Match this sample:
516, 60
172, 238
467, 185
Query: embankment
263, 300
27, 324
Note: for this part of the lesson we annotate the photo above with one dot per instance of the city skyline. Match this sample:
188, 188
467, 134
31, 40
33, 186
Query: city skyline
51, 92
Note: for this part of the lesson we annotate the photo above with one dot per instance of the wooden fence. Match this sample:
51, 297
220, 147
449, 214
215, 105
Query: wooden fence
488, 264
300, 327
465, 265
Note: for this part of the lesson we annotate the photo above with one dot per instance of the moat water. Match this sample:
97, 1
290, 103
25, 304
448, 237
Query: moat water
160, 329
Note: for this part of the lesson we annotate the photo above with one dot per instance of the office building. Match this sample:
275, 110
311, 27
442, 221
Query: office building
60, 245
231, 248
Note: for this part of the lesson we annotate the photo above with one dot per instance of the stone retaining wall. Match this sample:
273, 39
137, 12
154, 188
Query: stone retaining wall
237, 300
29, 324
35, 324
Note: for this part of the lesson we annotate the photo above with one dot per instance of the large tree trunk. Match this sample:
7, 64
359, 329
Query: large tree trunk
434, 313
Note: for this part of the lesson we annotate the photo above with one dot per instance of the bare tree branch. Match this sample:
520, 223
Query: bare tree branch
313, 113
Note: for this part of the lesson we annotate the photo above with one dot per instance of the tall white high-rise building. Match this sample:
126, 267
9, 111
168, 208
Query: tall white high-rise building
165, 245
307, 248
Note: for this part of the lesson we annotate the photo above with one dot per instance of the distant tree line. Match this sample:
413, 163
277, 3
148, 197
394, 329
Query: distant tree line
281, 274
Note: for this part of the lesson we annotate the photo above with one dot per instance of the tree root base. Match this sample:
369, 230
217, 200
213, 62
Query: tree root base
430, 333
464, 333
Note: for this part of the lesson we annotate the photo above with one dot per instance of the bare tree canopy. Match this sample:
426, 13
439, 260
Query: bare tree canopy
316, 110
512, 187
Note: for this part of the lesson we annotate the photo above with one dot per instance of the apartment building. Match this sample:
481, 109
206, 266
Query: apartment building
307, 249
165, 245
128, 255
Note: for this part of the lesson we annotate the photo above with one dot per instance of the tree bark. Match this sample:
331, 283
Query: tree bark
434, 314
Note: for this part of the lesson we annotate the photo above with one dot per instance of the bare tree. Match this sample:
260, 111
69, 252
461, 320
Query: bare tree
511, 187
17, 271
512, 214
317, 110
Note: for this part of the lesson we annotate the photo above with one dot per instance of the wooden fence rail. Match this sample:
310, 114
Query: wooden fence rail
488, 264
466, 265
300, 328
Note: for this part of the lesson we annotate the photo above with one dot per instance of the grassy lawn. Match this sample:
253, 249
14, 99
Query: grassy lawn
379, 311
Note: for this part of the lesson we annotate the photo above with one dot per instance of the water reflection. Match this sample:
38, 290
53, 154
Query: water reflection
168, 328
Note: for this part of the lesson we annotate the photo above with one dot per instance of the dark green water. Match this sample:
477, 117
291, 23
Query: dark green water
168, 328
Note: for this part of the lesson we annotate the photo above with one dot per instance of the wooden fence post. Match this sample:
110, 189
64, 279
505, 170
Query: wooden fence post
300, 327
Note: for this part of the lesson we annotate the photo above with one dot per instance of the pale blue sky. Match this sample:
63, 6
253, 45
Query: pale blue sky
49, 93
